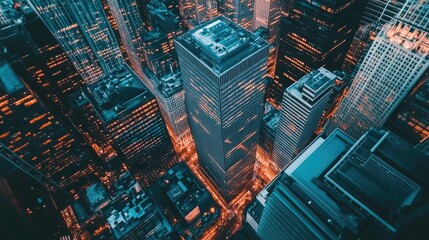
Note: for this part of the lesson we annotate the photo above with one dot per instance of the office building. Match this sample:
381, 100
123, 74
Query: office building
180, 193
196, 12
124, 111
312, 35
157, 48
130, 113
381, 11
302, 107
87, 39
338, 188
166, 22
159, 55
270, 122
40, 138
395, 62
411, 119
361, 42
131, 28
267, 14
171, 99
222, 68
376, 14
240, 12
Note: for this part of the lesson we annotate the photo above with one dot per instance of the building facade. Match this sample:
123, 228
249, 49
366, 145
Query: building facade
267, 14
196, 12
395, 62
131, 28
123, 108
224, 88
238, 11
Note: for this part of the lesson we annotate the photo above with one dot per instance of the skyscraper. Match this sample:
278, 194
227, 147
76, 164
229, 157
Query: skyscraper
312, 35
222, 69
376, 14
238, 11
267, 15
131, 28
87, 38
381, 11
196, 12
171, 99
411, 119
302, 108
125, 110
159, 72
338, 188
130, 113
394, 63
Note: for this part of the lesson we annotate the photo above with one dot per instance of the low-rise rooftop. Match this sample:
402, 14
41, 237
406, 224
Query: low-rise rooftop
188, 196
118, 94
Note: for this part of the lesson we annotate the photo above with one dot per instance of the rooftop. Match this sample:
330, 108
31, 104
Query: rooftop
382, 174
97, 196
9, 81
221, 43
134, 213
189, 197
168, 85
118, 94
313, 85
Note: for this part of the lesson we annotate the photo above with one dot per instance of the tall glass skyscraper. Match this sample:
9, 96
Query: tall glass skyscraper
82, 29
222, 68
267, 14
131, 28
313, 34
302, 108
39, 138
239, 11
196, 12
393, 65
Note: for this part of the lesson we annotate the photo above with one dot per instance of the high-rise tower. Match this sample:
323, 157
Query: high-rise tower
131, 28
338, 188
395, 62
222, 68
82, 29
119, 103
312, 35
267, 15
196, 12
302, 107
238, 11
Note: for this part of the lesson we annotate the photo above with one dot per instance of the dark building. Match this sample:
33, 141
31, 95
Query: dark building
269, 124
47, 165
130, 113
411, 118
338, 188
160, 56
190, 207
31, 131
313, 34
